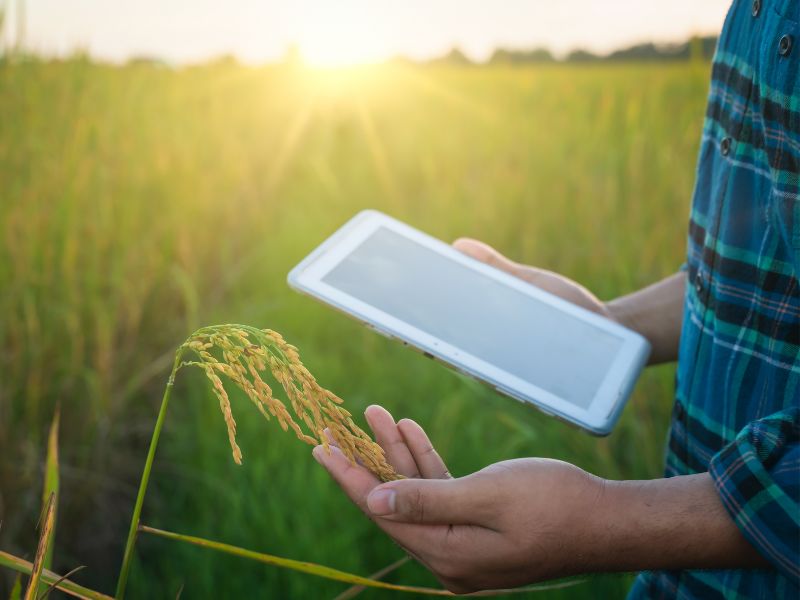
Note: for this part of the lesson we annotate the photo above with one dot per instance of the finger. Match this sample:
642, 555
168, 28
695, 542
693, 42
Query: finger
332, 442
486, 254
389, 438
329, 436
430, 464
357, 482
542, 278
433, 502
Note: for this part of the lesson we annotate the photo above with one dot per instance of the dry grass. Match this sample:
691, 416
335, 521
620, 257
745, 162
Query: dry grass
245, 355
45, 537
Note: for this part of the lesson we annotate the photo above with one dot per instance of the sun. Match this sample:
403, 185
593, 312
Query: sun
335, 52
339, 35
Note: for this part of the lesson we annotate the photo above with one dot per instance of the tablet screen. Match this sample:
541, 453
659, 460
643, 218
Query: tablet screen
478, 314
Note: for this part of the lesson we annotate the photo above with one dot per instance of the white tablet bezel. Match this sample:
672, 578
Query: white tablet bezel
604, 409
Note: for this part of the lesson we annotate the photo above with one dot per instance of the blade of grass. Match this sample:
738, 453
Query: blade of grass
45, 537
51, 483
68, 587
355, 590
336, 574
16, 590
54, 585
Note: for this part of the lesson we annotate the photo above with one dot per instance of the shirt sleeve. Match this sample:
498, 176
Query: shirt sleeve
758, 479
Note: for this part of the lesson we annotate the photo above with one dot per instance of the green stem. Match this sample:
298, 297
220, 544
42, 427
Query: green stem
148, 466
52, 579
336, 574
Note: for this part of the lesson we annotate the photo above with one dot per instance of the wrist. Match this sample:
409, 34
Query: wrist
590, 519
621, 541
674, 523
656, 312
618, 311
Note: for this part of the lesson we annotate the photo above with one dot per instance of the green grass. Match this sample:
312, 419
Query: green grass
139, 203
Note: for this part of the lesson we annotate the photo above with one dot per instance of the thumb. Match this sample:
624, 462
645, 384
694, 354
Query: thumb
431, 501
486, 254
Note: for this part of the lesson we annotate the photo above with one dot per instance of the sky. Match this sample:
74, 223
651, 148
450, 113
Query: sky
351, 31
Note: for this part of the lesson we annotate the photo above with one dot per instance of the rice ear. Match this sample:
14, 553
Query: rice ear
244, 355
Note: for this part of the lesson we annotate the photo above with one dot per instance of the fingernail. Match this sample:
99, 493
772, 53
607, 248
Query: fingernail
381, 501
366, 415
317, 453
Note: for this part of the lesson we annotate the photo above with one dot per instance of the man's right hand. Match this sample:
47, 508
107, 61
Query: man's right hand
656, 312
556, 284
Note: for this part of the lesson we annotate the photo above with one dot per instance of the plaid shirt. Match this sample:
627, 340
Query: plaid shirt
737, 406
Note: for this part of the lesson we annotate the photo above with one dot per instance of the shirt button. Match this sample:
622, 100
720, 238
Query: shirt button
725, 146
756, 7
698, 283
785, 45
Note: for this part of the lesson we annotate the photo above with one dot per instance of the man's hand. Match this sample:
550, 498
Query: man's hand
655, 312
502, 526
556, 284
527, 520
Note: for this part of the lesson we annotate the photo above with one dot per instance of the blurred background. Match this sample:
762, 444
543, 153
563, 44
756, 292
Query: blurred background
163, 166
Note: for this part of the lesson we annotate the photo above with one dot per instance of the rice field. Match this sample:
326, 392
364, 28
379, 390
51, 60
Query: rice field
140, 203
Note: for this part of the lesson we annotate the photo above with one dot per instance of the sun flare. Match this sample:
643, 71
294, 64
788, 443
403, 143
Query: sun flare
339, 36
321, 54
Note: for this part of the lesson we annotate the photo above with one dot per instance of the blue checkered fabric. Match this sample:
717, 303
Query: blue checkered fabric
737, 405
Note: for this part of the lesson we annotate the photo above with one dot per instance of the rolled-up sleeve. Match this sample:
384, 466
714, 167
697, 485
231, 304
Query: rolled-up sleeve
758, 479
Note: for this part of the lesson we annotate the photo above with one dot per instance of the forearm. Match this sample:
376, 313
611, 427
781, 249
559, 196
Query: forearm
673, 523
656, 312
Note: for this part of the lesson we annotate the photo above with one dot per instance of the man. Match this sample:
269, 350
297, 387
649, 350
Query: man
725, 522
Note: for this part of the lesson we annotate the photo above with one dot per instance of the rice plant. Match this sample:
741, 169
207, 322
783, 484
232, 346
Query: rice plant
243, 355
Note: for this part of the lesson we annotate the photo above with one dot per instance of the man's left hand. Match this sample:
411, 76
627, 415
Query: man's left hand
512, 523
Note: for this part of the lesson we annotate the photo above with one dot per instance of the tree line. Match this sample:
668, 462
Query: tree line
696, 48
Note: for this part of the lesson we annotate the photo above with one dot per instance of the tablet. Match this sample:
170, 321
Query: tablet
524, 342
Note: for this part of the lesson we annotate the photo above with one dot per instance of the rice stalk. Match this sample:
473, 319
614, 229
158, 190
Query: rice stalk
343, 576
244, 355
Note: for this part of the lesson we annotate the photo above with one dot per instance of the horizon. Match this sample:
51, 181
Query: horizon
351, 32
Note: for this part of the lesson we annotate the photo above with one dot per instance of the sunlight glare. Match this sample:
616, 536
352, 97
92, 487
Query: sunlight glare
339, 35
